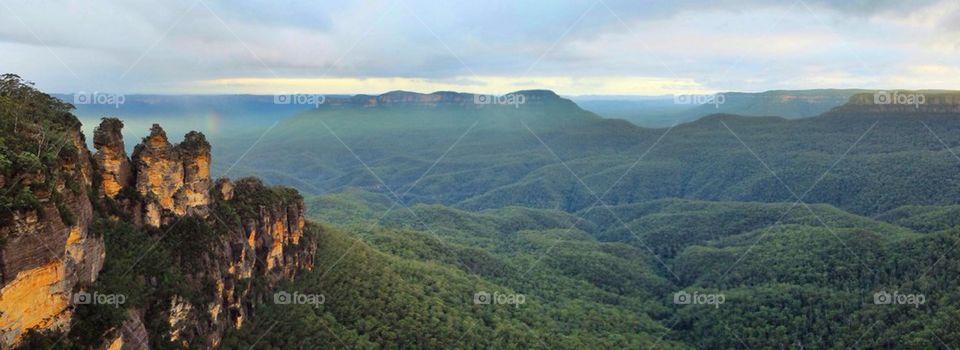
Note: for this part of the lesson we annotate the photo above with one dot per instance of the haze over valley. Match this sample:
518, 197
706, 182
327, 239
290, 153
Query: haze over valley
408, 174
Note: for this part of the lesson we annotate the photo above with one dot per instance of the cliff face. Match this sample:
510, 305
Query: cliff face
172, 180
48, 249
248, 237
112, 157
901, 102
194, 196
264, 241
272, 221
263, 235
159, 176
439, 99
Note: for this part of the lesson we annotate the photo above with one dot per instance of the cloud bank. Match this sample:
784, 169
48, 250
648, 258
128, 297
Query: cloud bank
574, 47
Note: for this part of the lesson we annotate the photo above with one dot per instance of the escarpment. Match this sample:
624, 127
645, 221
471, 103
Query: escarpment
191, 258
46, 247
234, 233
901, 102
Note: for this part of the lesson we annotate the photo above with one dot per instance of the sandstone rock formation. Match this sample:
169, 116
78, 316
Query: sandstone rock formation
48, 253
172, 180
131, 335
112, 157
194, 196
266, 239
159, 175
49, 250
269, 244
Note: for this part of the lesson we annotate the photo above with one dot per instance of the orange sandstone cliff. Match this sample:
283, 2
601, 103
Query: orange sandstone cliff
48, 254
47, 250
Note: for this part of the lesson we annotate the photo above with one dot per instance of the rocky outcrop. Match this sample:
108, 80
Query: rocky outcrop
131, 335
159, 175
48, 249
111, 156
194, 196
265, 240
172, 180
272, 222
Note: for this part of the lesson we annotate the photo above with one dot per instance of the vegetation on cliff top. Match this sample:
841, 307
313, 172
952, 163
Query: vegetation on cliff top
36, 134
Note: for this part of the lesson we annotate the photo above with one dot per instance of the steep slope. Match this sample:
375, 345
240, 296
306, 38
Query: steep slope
383, 296
46, 245
104, 251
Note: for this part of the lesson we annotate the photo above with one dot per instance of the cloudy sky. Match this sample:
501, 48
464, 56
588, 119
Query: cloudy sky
579, 47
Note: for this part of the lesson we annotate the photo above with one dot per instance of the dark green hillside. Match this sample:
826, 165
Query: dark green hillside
924, 218
498, 162
800, 285
797, 282
380, 301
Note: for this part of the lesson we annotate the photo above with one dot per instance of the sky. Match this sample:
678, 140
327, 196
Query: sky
585, 47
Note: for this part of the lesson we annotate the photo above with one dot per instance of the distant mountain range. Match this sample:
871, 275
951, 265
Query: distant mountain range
663, 111
217, 114
499, 162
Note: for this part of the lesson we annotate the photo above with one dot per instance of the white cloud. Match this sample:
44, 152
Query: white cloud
170, 46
